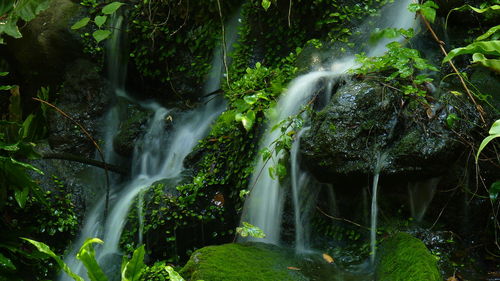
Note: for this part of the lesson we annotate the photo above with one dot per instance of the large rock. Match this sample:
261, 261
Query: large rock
241, 262
47, 47
405, 258
363, 120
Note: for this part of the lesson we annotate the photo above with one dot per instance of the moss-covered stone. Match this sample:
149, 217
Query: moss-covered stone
240, 262
405, 258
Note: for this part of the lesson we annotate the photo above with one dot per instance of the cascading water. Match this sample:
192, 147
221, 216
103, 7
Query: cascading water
264, 206
159, 155
381, 157
420, 194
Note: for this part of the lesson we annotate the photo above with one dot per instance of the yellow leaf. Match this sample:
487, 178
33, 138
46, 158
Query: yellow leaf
328, 258
293, 268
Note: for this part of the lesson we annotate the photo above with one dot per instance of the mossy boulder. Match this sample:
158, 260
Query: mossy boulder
405, 258
241, 262
363, 120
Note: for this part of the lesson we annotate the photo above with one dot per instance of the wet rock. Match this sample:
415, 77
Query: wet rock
242, 262
403, 257
131, 130
363, 120
84, 98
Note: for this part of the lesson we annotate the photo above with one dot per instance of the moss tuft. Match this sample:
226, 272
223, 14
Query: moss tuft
405, 258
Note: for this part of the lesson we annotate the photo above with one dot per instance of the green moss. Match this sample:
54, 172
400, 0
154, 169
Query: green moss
241, 262
405, 258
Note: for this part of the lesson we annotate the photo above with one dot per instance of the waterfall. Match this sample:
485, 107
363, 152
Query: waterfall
381, 157
264, 206
158, 155
420, 194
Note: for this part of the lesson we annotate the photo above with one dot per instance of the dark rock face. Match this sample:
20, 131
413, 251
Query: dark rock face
364, 120
131, 129
84, 98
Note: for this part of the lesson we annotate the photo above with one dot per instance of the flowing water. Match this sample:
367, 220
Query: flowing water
264, 207
420, 194
374, 209
158, 155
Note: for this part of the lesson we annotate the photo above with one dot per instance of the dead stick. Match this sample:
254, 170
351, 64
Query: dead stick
101, 154
443, 50
83, 160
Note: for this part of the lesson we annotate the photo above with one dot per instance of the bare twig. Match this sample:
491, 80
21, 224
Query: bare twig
83, 160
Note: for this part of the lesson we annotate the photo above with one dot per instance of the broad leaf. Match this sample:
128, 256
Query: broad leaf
4, 73
247, 119
6, 6
87, 256
100, 20
81, 23
132, 270
488, 33
485, 48
29, 9
46, 250
492, 64
172, 274
100, 35
494, 133
111, 8
266, 4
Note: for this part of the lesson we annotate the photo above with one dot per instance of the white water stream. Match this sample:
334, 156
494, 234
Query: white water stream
159, 155
264, 207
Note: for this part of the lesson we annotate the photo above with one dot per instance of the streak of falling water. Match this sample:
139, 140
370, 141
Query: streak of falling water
420, 194
374, 210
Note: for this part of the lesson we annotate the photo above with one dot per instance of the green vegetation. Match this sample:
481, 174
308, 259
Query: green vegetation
405, 258
170, 45
241, 262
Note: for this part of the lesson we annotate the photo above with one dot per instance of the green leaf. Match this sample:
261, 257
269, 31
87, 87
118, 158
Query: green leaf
494, 190
111, 8
488, 33
46, 250
21, 195
81, 23
266, 4
10, 28
6, 263
100, 20
6, 88
247, 119
100, 35
451, 120
492, 64
172, 274
6, 6
250, 230
132, 270
87, 256
251, 99
27, 10
4, 73
494, 133
484, 47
